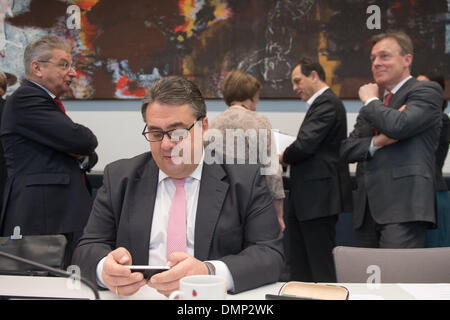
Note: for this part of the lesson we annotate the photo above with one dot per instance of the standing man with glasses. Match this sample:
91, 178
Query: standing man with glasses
394, 142
172, 207
45, 192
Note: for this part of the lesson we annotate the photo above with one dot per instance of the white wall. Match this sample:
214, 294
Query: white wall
118, 124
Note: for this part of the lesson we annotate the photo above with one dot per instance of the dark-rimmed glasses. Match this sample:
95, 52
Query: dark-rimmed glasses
174, 134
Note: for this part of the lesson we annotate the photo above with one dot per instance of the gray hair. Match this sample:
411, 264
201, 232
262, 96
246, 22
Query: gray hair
41, 50
175, 90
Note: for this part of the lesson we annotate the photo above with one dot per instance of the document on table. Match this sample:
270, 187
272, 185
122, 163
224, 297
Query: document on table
282, 140
423, 291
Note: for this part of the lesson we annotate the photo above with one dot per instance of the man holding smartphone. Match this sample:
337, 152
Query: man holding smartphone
172, 207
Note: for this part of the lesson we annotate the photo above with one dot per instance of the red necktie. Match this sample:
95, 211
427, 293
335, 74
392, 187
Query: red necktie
60, 105
387, 98
83, 174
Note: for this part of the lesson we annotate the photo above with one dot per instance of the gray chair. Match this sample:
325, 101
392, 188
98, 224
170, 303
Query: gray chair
361, 265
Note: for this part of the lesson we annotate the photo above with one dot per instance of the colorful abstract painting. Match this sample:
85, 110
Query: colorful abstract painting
120, 47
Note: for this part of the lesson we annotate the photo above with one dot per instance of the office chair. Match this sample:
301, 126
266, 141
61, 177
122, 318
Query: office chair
361, 265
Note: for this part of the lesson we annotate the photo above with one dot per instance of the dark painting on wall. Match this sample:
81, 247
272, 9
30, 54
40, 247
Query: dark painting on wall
120, 47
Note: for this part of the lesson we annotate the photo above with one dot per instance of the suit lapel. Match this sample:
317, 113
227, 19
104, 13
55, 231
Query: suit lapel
211, 196
323, 96
399, 98
143, 196
31, 84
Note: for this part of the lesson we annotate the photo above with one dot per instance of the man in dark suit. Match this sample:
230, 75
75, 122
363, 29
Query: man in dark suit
228, 220
320, 182
44, 192
394, 142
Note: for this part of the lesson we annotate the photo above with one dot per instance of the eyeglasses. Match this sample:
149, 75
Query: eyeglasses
64, 65
174, 134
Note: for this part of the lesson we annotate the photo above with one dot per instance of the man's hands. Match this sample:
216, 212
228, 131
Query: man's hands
382, 140
181, 265
368, 91
118, 278
121, 280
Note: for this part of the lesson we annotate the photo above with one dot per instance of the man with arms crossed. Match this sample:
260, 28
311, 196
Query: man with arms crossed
45, 192
394, 142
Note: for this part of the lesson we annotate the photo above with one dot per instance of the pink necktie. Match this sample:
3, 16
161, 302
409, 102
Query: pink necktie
176, 230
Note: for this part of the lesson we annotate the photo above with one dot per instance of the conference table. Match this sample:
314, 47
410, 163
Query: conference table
57, 288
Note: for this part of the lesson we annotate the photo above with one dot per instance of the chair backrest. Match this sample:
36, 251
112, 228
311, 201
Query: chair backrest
425, 265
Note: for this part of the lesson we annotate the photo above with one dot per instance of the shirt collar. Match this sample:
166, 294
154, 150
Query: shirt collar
196, 174
44, 88
314, 96
398, 86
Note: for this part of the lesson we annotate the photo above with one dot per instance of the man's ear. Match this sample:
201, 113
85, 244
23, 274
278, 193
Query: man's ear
314, 76
205, 124
408, 58
35, 68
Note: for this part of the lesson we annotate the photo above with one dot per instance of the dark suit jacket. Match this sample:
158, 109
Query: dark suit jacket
441, 153
44, 193
236, 220
3, 173
398, 181
320, 181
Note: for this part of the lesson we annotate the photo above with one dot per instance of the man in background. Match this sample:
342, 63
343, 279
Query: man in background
394, 142
320, 182
45, 192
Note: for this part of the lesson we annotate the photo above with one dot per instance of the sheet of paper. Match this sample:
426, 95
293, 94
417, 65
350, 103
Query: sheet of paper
282, 141
428, 292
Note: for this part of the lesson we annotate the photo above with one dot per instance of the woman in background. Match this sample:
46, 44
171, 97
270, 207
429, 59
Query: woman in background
241, 93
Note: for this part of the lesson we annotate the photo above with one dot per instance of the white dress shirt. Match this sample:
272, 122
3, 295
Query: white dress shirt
158, 235
45, 89
314, 97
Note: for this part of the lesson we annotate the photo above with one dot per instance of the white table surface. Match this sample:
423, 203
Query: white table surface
52, 287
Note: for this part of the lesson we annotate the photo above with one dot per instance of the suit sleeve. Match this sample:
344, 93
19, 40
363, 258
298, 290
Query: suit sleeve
423, 110
263, 249
312, 132
38, 119
99, 236
356, 147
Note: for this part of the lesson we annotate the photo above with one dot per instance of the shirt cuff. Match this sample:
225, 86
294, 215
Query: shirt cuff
370, 100
99, 273
372, 148
223, 271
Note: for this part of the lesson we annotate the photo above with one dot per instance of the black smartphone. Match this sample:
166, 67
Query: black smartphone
148, 271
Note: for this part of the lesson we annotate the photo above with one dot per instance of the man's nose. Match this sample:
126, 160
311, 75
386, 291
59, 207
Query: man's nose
167, 143
376, 61
72, 72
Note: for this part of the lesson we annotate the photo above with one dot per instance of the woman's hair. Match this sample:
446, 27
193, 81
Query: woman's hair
239, 86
